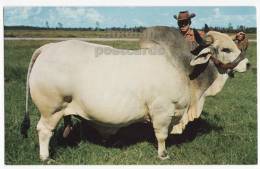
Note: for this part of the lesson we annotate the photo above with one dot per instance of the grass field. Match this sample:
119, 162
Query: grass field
226, 132
71, 34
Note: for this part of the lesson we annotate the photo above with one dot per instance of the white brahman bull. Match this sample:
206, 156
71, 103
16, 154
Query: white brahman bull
164, 84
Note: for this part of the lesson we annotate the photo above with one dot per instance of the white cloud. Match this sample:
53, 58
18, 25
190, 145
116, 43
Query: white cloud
139, 22
17, 16
73, 16
87, 17
66, 12
224, 20
94, 16
217, 18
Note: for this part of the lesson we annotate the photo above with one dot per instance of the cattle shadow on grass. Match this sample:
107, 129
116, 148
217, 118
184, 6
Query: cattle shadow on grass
135, 133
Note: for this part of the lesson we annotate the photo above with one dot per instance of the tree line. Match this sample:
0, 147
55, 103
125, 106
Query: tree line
229, 29
132, 29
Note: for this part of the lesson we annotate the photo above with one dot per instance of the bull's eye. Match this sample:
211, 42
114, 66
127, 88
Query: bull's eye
227, 50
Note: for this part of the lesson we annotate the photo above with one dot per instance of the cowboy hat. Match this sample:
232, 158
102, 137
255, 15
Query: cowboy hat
240, 33
184, 15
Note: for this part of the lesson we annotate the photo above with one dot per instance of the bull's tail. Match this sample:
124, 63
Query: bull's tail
26, 121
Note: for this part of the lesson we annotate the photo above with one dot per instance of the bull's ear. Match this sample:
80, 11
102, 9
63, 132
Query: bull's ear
202, 57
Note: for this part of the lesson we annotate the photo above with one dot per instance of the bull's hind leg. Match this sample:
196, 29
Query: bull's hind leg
45, 128
52, 110
161, 115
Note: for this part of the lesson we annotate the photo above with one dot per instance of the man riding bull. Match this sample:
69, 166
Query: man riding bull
193, 36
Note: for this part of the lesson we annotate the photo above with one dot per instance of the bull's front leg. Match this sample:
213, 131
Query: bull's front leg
161, 115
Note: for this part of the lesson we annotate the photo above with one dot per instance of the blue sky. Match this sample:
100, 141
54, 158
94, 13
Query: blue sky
129, 16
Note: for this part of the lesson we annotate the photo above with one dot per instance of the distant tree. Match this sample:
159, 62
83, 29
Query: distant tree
134, 29
230, 27
242, 28
60, 25
47, 24
97, 25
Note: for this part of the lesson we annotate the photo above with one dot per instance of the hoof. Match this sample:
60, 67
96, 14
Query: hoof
49, 161
44, 159
164, 156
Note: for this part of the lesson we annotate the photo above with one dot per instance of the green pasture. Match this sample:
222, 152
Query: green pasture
226, 132
70, 34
